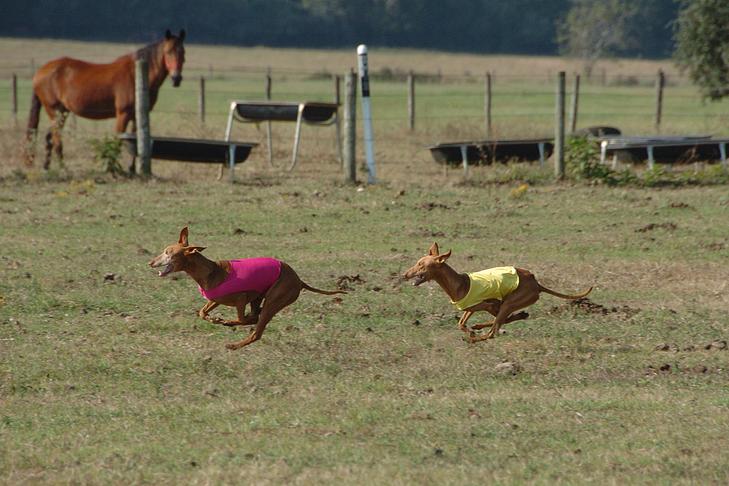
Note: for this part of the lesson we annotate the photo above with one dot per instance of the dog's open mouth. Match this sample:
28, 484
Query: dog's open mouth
418, 279
166, 270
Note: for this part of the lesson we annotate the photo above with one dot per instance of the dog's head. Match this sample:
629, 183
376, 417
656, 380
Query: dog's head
425, 268
174, 257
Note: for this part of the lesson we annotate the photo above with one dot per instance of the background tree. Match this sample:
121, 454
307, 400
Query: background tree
483, 26
702, 45
593, 30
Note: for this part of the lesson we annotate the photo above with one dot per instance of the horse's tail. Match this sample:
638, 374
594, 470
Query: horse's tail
319, 291
34, 116
30, 135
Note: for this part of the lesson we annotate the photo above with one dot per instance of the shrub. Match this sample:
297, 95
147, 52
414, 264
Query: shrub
107, 152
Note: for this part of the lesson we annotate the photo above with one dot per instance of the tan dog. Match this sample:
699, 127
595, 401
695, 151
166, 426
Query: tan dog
516, 289
209, 275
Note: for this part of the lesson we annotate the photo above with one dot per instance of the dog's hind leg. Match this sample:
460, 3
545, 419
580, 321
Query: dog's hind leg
512, 303
514, 317
283, 293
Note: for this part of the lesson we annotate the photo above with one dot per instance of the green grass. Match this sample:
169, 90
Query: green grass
119, 381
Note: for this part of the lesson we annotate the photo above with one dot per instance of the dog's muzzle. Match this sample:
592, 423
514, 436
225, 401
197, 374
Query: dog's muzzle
166, 270
176, 79
418, 279
168, 266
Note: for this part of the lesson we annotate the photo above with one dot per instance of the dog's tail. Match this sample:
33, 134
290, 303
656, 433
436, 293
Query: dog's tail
319, 291
565, 296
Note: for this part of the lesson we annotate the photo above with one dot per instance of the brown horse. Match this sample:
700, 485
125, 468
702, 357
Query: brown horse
98, 91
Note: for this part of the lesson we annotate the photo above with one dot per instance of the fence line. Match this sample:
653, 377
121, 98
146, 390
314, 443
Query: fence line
495, 101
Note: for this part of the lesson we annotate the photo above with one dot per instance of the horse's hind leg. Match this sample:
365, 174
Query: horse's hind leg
49, 149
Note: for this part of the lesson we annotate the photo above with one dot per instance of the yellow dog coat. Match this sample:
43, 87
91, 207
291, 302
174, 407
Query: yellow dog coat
493, 283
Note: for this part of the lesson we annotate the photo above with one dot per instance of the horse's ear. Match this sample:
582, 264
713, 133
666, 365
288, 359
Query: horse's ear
168, 34
182, 35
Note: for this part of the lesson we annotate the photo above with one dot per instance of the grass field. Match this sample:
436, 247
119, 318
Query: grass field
107, 376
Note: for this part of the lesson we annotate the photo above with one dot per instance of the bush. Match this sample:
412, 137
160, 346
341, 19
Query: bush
107, 151
582, 161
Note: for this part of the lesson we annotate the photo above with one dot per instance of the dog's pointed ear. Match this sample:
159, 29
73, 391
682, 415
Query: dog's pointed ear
182, 35
193, 249
433, 249
442, 258
183, 236
168, 34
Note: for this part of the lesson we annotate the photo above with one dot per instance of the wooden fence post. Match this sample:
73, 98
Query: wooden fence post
350, 128
575, 104
337, 123
14, 98
411, 101
487, 104
559, 128
660, 83
269, 134
201, 100
141, 102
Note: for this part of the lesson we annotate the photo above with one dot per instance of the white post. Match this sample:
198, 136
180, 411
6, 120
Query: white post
366, 113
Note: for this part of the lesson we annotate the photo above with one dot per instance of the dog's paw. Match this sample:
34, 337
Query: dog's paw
231, 346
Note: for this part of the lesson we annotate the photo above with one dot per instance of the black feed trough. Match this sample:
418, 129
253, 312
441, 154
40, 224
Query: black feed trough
485, 152
313, 112
192, 150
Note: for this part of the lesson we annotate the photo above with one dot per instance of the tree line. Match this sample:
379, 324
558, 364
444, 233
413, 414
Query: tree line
480, 26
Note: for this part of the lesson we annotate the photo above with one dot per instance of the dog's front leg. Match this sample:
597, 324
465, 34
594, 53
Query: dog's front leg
464, 318
203, 313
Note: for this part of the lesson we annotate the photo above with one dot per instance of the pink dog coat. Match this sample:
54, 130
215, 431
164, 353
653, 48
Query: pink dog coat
246, 275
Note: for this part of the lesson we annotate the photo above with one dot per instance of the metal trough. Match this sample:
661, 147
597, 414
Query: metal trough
485, 152
309, 112
664, 149
193, 150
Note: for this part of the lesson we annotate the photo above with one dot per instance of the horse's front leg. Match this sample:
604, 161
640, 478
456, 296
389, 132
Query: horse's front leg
58, 124
123, 118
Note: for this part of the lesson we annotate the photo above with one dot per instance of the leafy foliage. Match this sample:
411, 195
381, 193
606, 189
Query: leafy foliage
583, 163
107, 152
592, 30
489, 26
702, 45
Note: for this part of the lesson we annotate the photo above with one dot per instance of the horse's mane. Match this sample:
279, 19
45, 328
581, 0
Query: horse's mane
149, 51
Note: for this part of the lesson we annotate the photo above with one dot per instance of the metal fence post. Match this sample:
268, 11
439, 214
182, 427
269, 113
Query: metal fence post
411, 101
660, 83
269, 134
141, 102
201, 100
350, 128
575, 104
559, 128
14, 98
337, 123
487, 104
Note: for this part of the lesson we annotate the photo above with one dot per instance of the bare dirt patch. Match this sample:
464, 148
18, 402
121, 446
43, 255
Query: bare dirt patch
347, 282
586, 306
668, 226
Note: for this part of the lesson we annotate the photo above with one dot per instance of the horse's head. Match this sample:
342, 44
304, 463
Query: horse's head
174, 55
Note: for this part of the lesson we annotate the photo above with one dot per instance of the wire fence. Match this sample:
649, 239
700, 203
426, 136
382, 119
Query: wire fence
445, 104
